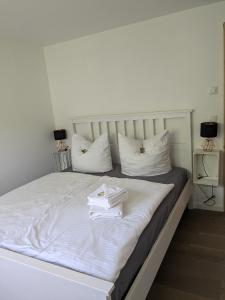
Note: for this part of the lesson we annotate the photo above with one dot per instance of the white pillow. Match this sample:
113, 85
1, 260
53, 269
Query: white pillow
154, 160
91, 157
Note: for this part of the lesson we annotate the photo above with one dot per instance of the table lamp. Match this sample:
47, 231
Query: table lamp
59, 136
208, 131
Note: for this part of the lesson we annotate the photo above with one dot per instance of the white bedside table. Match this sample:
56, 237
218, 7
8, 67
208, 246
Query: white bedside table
206, 167
206, 172
62, 160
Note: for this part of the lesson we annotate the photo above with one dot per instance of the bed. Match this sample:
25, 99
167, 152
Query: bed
26, 274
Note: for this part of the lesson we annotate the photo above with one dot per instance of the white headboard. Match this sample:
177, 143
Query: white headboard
143, 126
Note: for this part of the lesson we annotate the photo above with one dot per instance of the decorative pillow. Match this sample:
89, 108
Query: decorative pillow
145, 158
91, 157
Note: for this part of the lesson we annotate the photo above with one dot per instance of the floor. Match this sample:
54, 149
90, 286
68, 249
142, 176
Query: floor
194, 266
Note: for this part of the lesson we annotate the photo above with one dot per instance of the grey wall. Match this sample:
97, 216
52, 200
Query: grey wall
26, 118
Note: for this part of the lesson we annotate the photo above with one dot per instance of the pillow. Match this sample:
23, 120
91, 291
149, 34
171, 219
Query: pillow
145, 158
91, 157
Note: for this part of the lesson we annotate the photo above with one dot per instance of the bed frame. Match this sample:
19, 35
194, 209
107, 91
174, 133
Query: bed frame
26, 278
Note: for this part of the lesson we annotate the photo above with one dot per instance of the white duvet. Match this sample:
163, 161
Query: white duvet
48, 219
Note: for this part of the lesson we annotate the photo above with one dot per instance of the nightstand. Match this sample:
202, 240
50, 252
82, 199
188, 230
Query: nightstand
62, 160
206, 167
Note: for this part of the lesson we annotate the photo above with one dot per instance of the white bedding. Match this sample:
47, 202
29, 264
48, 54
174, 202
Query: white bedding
48, 219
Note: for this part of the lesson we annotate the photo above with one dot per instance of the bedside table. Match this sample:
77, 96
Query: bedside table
62, 160
206, 167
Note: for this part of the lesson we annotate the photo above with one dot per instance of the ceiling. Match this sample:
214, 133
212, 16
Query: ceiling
51, 21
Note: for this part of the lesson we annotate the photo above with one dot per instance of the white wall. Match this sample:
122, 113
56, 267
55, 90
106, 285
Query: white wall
165, 63
26, 117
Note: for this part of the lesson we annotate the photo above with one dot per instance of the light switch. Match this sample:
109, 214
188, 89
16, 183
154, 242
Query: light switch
213, 90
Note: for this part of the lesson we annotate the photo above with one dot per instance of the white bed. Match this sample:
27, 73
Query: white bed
23, 277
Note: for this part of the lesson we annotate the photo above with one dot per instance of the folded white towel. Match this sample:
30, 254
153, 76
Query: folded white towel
97, 212
107, 196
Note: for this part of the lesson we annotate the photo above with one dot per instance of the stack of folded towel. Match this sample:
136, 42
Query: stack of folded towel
107, 202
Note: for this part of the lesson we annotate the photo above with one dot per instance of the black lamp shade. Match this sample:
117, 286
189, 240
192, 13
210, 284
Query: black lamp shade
208, 129
60, 134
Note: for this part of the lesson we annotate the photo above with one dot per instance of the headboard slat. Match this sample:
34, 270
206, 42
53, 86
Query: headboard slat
74, 128
142, 128
116, 127
99, 128
92, 131
134, 128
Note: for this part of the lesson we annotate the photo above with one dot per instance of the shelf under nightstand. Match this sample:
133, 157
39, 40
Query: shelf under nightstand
206, 163
62, 160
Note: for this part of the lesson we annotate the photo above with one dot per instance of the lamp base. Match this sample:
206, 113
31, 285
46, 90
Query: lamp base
208, 145
61, 146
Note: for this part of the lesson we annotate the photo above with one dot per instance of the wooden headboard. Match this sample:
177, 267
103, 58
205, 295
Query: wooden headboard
143, 126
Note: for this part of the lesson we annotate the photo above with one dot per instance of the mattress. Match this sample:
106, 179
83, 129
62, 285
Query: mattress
178, 176
48, 219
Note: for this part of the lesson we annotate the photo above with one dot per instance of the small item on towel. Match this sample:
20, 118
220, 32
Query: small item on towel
107, 196
97, 212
